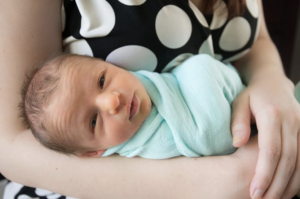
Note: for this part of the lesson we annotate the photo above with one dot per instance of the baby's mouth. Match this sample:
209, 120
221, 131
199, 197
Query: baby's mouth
133, 106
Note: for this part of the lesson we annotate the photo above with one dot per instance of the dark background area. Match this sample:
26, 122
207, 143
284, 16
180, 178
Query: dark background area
283, 22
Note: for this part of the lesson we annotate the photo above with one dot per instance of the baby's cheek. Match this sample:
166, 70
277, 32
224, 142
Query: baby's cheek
121, 134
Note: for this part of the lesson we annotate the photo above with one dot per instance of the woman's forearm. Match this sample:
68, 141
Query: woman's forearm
30, 32
116, 177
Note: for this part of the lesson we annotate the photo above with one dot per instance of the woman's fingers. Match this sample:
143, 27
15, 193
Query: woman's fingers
269, 142
285, 168
241, 119
294, 184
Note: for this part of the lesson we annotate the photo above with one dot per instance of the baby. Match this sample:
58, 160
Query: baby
87, 107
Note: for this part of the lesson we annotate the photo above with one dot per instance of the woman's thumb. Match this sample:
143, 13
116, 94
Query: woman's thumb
240, 120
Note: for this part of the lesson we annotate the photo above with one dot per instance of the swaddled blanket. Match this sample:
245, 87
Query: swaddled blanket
190, 113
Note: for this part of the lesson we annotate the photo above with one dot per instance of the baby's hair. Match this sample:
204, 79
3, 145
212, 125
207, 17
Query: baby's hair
36, 92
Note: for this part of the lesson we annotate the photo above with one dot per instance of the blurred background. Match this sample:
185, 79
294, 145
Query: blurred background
283, 22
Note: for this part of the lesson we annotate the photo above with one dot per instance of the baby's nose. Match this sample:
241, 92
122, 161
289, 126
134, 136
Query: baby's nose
109, 102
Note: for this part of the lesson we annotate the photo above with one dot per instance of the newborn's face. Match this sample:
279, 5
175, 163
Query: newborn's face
97, 105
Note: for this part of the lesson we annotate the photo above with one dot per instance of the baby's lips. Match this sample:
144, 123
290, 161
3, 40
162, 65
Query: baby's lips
134, 106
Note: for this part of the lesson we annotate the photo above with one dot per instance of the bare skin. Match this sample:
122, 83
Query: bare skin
96, 106
32, 43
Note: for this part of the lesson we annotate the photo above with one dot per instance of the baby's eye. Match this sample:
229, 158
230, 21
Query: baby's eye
101, 81
94, 122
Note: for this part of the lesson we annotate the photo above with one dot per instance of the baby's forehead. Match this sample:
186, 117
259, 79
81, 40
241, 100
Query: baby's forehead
76, 61
76, 72
79, 62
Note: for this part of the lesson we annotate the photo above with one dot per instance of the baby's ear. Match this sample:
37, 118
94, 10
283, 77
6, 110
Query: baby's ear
92, 154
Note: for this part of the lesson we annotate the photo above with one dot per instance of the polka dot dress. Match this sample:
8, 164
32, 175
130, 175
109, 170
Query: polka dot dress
17, 191
153, 35
156, 35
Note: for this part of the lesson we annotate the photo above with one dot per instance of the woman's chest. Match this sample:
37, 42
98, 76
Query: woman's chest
144, 34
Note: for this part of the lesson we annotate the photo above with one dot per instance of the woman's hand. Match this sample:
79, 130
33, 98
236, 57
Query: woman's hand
270, 102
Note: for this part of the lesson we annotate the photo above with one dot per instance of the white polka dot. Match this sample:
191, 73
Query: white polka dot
220, 15
97, 18
23, 196
68, 40
198, 14
63, 17
218, 56
237, 56
11, 190
176, 61
257, 29
48, 194
207, 47
235, 35
42, 192
173, 26
253, 7
133, 58
133, 2
75, 46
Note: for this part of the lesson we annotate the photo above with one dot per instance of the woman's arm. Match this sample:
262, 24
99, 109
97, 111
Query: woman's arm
269, 100
118, 177
31, 32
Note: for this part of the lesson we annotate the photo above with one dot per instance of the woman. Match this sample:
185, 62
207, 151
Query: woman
31, 32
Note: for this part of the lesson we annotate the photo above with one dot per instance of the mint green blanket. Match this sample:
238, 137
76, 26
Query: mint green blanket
190, 113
